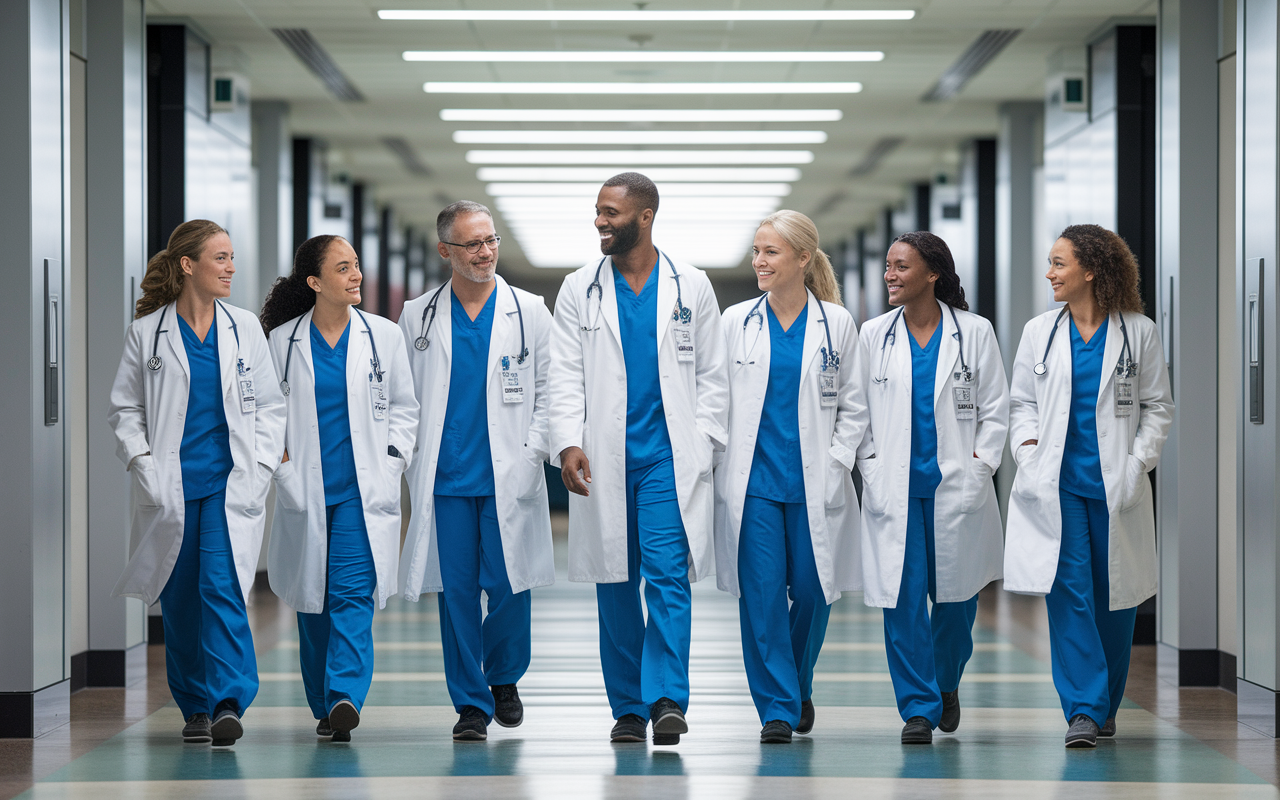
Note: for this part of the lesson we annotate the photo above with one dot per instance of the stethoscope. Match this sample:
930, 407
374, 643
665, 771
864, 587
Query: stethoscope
830, 356
155, 362
423, 342
375, 362
1125, 367
679, 314
891, 338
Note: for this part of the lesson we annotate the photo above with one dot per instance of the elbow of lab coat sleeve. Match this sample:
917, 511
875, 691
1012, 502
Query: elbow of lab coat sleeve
712, 369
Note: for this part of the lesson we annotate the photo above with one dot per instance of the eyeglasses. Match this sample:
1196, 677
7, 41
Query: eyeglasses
474, 247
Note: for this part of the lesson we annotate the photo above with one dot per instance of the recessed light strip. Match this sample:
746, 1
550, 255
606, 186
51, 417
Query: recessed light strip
635, 157
640, 137
558, 15
658, 175
640, 115
519, 87
642, 56
591, 190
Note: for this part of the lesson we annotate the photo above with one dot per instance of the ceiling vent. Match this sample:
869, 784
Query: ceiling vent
408, 158
317, 59
875, 155
972, 61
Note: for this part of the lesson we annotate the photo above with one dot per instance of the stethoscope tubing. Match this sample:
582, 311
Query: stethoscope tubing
423, 342
376, 362
891, 339
679, 314
156, 362
1124, 367
759, 315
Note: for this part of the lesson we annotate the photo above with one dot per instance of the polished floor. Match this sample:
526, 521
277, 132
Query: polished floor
1171, 742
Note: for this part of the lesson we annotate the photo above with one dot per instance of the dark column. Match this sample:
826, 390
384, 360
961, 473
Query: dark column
985, 157
302, 178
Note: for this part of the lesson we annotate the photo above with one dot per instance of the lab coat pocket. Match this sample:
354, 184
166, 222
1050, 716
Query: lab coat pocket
976, 480
838, 475
1135, 483
146, 488
289, 487
391, 485
530, 479
875, 499
1025, 482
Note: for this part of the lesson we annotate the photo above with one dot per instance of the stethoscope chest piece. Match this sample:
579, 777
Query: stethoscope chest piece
284, 388
421, 343
1040, 368
154, 363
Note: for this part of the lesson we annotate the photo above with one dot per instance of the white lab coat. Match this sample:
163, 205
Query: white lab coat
298, 556
829, 439
589, 410
966, 516
517, 437
1128, 448
148, 409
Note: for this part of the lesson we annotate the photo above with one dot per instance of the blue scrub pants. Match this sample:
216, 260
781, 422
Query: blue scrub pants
208, 647
927, 652
335, 647
779, 646
478, 654
1089, 642
642, 663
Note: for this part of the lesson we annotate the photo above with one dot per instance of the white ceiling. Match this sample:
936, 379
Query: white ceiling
369, 51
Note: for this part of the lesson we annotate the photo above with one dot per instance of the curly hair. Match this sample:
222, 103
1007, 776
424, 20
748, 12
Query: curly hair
937, 257
1115, 270
163, 280
290, 296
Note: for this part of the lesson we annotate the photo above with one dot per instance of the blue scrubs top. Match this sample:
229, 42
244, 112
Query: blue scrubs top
925, 475
648, 440
1081, 465
465, 467
777, 470
337, 459
206, 446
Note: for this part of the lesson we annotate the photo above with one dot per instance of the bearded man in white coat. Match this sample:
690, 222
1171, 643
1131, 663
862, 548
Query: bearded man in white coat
639, 407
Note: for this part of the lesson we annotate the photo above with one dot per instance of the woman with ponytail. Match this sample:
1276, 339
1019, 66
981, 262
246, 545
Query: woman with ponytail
939, 410
353, 417
199, 422
786, 517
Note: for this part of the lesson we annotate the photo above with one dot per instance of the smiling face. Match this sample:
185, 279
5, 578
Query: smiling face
1071, 283
209, 276
470, 229
619, 221
340, 277
776, 264
906, 275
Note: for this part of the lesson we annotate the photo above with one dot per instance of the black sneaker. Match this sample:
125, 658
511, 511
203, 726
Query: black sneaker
323, 728
1083, 732
668, 721
629, 728
341, 736
226, 727
806, 717
1108, 728
950, 712
508, 711
343, 717
471, 726
775, 731
196, 731
917, 731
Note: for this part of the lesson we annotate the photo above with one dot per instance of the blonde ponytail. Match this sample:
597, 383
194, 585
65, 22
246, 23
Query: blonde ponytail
163, 280
801, 235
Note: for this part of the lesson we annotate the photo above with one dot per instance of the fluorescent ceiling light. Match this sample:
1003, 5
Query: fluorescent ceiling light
549, 15
639, 157
591, 190
658, 175
561, 208
639, 115
640, 137
642, 56
710, 88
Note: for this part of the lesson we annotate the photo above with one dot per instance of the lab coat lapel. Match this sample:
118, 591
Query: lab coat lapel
815, 337
504, 336
667, 294
948, 353
227, 347
173, 332
609, 301
303, 343
1110, 354
359, 352
900, 357
442, 331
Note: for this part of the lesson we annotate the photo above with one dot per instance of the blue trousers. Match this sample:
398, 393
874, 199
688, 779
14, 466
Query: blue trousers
927, 652
779, 645
478, 654
208, 647
335, 647
1090, 644
643, 663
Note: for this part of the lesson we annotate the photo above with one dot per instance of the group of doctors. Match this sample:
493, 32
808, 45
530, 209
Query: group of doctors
691, 443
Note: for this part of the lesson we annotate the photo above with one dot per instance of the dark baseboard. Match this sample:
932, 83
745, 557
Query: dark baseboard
155, 629
79, 671
1144, 628
29, 715
1227, 671
1196, 667
116, 667
1257, 707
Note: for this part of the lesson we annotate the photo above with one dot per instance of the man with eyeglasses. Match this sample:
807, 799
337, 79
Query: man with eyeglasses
479, 350
639, 407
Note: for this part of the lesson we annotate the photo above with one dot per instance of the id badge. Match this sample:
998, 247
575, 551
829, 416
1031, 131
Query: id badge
827, 392
378, 398
1124, 397
513, 379
962, 396
683, 333
248, 401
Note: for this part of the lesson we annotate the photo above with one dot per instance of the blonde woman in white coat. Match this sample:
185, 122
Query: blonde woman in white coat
930, 523
335, 536
199, 422
1089, 414
786, 512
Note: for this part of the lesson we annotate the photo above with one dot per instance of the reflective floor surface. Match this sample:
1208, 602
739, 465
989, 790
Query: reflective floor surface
126, 743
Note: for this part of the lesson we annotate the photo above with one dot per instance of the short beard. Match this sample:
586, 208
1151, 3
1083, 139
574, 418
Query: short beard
624, 239
470, 273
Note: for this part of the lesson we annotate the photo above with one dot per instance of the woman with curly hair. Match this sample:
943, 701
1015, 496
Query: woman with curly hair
1089, 413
